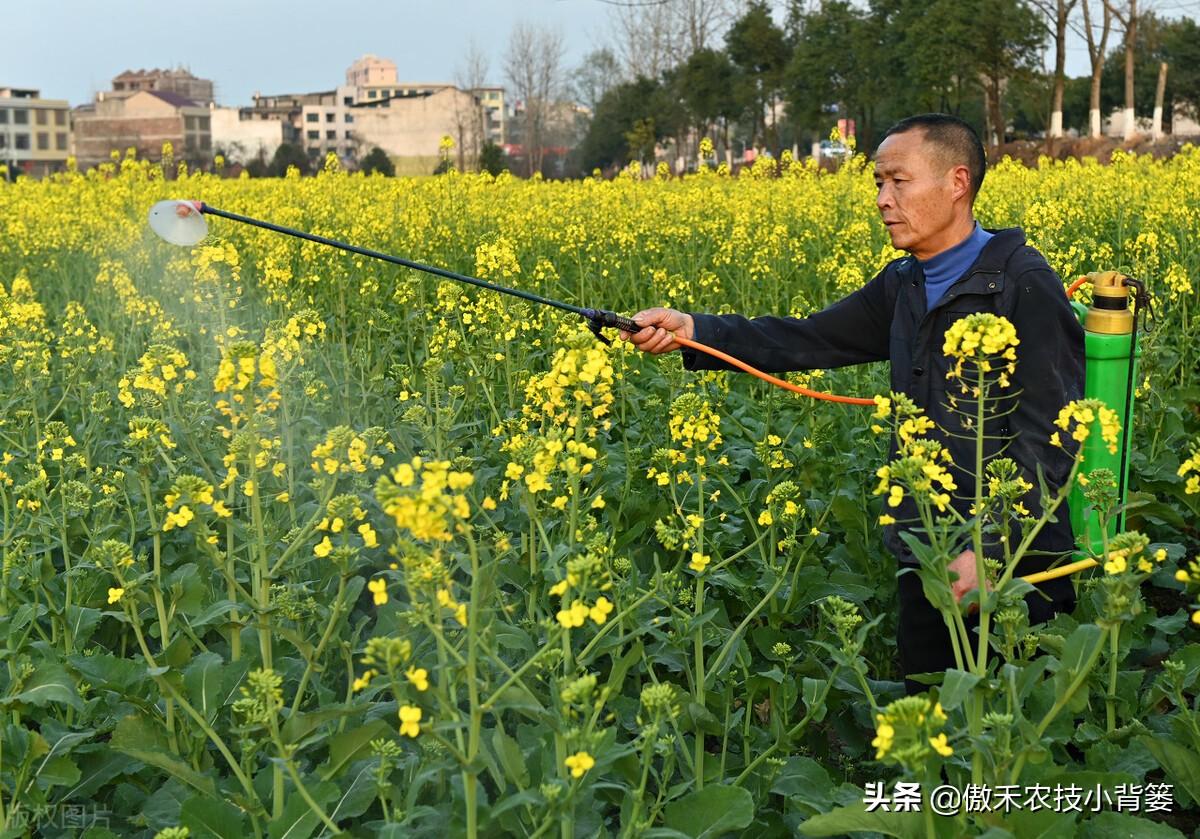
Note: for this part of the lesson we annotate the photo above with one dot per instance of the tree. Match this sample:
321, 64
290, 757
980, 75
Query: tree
533, 64
1175, 42
1127, 15
377, 160
647, 39
289, 154
595, 76
469, 118
606, 142
1181, 49
757, 46
491, 159
1058, 14
1097, 50
834, 67
707, 81
1008, 43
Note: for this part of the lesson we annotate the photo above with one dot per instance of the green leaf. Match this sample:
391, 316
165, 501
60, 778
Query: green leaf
804, 781
48, 684
298, 820
300, 725
510, 757
202, 681
82, 620
58, 771
907, 825
956, 687
1109, 825
358, 796
1181, 764
347, 745
142, 740
212, 817
711, 811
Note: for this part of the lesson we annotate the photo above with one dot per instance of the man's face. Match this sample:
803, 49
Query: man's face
916, 193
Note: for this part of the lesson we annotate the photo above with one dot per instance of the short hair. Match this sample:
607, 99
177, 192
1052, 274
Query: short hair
954, 138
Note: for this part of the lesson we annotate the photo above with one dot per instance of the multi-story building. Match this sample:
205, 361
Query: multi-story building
371, 70
243, 135
318, 122
35, 133
144, 120
375, 81
178, 81
327, 125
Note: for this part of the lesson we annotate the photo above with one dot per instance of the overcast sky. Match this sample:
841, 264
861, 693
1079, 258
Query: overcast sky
70, 49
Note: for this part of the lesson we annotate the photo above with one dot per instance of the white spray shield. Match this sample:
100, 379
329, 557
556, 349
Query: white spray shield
178, 222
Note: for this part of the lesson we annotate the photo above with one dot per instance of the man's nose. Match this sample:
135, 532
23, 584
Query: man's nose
884, 199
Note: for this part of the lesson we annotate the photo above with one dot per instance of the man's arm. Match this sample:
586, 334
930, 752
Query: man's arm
853, 330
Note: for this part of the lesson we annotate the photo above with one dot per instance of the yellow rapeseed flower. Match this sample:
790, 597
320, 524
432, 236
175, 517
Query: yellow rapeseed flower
579, 763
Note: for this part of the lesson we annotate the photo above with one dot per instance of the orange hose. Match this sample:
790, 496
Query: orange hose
803, 391
767, 377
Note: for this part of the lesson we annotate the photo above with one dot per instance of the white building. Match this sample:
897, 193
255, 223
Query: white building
242, 135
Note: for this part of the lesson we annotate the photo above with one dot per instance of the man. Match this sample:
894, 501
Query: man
928, 170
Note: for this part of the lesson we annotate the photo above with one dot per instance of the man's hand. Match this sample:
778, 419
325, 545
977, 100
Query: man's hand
657, 326
964, 566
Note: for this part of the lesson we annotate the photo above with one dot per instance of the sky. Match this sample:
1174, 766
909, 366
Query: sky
71, 49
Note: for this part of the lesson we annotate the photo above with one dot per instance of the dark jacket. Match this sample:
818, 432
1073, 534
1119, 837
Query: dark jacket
887, 319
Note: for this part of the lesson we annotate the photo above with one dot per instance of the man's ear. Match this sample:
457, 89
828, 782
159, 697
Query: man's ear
961, 178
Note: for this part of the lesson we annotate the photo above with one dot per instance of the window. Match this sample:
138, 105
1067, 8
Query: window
40, 116
311, 117
330, 135
205, 141
329, 117
21, 141
347, 101
205, 123
349, 117
3, 116
43, 140
371, 94
21, 116
60, 117
189, 123
3, 141
60, 141
314, 135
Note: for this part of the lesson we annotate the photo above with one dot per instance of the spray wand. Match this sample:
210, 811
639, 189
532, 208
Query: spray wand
182, 223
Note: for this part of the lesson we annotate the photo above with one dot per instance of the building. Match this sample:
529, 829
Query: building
370, 71
35, 133
374, 80
178, 81
328, 125
144, 120
410, 128
243, 135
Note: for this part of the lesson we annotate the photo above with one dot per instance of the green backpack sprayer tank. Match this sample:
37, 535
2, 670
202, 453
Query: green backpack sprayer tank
1110, 335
